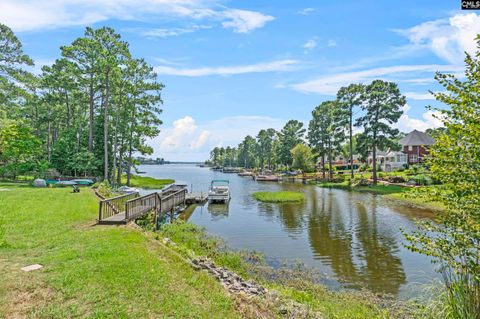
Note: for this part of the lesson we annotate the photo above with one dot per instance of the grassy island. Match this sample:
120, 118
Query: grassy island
279, 197
147, 182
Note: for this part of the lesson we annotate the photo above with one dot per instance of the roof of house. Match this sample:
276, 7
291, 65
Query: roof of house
416, 138
378, 154
394, 153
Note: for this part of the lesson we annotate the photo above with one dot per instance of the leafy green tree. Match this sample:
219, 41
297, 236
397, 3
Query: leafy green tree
265, 140
349, 97
324, 134
246, 152
19, 149
290, 135
12, 73
382, 103
303, 158
454, 238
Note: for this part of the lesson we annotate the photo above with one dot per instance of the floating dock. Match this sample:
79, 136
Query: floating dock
196, 198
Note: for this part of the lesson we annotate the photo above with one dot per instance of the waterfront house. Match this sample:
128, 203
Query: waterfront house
416, 146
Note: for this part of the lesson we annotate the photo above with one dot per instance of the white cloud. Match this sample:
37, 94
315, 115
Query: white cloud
279, 65
310, 44
168, 32
32, 15
182, 130
419, 96
331, 43
407, 123
329, 84
187, 140
447, 38
306, 11
200, 140
243, 21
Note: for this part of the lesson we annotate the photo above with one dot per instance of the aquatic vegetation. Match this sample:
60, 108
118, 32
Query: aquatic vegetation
279, 197
147, 182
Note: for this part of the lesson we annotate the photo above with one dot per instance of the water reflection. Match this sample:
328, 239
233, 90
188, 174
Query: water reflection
353, 238
218, 211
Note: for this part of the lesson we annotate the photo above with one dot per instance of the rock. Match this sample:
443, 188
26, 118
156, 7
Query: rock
39, 183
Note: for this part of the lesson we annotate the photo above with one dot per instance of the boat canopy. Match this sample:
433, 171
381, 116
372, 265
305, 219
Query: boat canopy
220, 181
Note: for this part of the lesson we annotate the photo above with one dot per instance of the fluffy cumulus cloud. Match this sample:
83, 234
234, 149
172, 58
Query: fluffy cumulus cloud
243, 21
33, 15
329, 84
430, 119
185, 140
447, 38
278, 65
183, 129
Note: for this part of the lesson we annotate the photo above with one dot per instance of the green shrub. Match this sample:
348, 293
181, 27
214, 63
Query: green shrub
422, 180
363, 167
105, 189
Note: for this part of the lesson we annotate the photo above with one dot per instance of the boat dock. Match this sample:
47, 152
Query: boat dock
196, 198
125, 208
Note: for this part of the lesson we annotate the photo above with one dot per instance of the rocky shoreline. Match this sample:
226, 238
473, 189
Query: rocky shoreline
230, 280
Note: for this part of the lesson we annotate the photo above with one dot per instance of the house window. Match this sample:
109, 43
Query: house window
414, 158
410, 148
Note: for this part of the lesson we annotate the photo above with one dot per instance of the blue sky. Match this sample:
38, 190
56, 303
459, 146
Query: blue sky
233, 67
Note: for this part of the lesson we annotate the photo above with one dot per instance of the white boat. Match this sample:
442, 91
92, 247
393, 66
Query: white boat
127, 190
219, 191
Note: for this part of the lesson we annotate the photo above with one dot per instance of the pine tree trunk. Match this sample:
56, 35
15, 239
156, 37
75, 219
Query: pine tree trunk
130, 149
374, 162
115, 148
351, 145
91, 116
330, 169
323, 165
105, 127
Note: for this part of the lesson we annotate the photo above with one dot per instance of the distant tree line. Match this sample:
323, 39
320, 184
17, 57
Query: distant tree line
330, 132
88, 114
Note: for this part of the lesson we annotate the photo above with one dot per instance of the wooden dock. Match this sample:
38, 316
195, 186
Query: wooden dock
196, 198
128, 207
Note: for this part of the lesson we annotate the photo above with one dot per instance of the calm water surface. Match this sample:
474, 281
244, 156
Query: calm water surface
354, 239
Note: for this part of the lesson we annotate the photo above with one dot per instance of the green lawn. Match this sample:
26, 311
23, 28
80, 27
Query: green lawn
279, 197
92, 271
147, 182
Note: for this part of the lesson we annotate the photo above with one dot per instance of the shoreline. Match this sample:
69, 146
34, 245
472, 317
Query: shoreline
393, 193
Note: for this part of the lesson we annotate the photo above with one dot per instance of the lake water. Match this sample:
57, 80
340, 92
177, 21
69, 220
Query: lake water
354, 239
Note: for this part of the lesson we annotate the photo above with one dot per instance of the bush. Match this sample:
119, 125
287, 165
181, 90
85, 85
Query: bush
105, 189
422, 180
363, 167
396, 179
359, 181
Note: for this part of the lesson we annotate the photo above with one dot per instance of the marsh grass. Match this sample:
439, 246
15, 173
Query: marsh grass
462, 295
147, 182
279, 197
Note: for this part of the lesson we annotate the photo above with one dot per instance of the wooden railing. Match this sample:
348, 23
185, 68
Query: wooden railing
112, 206
139, 206
135, 206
